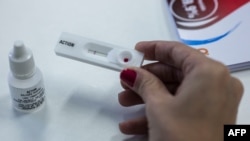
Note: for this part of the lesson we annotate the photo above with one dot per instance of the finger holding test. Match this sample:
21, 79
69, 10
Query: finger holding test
167, 74
147, 85
174, 53
170, 76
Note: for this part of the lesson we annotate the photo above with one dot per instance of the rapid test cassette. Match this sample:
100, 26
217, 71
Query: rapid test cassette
97, 52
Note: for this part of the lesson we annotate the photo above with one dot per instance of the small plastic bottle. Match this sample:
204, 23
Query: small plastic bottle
25, 80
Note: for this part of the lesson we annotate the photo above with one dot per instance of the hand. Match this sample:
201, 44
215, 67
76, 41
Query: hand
187, 96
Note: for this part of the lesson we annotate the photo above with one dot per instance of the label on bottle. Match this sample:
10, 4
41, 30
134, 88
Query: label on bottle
30, 98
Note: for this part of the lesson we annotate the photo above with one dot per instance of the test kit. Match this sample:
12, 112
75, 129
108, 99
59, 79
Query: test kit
97, 52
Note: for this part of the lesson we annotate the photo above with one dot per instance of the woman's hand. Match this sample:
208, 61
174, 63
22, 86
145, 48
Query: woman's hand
187, 96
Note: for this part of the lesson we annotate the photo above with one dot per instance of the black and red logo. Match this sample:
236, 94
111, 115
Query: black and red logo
197, 14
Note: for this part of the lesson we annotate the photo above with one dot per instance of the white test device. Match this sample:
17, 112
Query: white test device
97, 52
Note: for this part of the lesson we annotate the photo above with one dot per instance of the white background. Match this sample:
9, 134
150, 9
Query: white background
81, 99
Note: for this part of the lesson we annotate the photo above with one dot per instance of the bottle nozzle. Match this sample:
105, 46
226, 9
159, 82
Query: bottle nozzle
21, 61
19, 49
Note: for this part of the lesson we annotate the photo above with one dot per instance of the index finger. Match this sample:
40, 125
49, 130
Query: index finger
170, 52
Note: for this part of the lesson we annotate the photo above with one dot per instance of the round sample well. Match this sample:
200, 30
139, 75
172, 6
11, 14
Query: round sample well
125, 57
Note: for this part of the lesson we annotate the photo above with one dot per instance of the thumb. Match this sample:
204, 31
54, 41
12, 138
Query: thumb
145, 84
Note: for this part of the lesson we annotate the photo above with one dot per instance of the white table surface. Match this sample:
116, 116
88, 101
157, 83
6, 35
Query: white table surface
81, 99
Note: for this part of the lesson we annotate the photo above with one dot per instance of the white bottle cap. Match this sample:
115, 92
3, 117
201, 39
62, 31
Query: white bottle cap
21, 61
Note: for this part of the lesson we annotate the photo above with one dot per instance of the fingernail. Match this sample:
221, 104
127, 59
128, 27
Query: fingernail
128, 76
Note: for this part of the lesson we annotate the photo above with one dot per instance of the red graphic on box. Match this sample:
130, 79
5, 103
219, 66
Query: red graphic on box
197, 14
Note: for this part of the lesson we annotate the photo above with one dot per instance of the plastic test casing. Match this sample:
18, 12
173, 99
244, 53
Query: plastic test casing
97, 53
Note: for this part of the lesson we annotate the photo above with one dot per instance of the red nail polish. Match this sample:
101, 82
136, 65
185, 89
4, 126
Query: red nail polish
128, 76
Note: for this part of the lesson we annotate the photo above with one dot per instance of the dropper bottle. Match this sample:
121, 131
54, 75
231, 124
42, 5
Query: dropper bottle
25, 80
